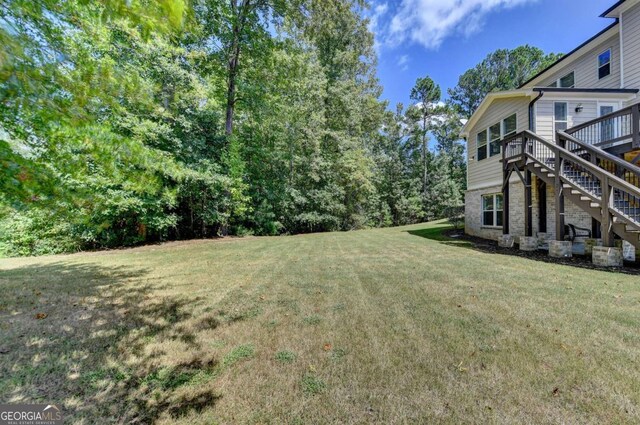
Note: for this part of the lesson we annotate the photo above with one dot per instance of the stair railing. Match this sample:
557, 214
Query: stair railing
616, 180
569, 162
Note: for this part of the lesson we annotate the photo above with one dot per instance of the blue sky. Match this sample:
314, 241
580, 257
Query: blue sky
444, 38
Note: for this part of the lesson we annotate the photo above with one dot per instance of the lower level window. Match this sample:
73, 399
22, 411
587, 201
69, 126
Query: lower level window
492, 207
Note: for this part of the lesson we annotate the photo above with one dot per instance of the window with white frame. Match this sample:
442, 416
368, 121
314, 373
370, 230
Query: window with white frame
560, 116
492, 210
489, 141
509, 125
566, 82
481, 141
604, 64
495, 136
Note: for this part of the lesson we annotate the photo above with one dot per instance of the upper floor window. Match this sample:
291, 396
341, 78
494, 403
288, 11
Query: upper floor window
566, 82
481, 141
509, 125
489, 141
494, 136
604, 64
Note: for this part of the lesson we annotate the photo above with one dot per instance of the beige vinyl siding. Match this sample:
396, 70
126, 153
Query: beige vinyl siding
489, 171
586, 68
544, 112
631, 43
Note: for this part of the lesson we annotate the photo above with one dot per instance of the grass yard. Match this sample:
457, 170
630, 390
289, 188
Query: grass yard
395, 325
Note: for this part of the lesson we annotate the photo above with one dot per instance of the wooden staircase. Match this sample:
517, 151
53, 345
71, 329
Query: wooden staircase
599, 183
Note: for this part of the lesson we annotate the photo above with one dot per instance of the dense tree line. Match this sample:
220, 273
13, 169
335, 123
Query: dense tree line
128, 122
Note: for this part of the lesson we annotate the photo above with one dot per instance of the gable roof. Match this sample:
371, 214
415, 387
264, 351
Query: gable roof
487, 101
536, 92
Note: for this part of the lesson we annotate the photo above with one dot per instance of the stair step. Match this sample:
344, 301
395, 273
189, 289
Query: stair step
594, 205
583, 198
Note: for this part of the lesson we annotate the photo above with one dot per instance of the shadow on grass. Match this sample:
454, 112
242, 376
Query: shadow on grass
446, 235
78, 335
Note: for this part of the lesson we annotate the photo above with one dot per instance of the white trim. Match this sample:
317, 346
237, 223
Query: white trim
621, 53
573, 96
487, 101
593, 97
616, 106
554, 115
495, 210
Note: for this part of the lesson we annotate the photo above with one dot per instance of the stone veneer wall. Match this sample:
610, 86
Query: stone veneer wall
473, 212
572, 214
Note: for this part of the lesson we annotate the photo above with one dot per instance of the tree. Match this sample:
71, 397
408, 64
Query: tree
241, 27
426, 94
503, 69
446, 129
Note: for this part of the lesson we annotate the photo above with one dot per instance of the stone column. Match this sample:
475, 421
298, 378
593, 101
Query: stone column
589, 244
629, 252
543, 238
528, 243
506, 241
560, 249
604, 256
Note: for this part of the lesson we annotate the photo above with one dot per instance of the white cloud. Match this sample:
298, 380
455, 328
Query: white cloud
403, 62
376, 22
378, 11
429, 22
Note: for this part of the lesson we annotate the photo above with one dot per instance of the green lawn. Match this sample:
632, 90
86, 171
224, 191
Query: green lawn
395, 325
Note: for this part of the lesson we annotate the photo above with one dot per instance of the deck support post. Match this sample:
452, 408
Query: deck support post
528, 204
559, 195
505, 200
608, 238
635, 126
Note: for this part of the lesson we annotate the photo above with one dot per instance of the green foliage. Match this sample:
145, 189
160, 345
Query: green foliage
312, 385
36, 232
130, 122
503, 69
285, 357
239, 353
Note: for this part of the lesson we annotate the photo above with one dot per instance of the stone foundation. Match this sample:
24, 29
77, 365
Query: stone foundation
604, 256
506, 241
473, 212
629, 252
543, 239
589, 244
560, 249
528, 243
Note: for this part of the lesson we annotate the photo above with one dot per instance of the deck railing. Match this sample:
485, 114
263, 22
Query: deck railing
579, 164
614, 129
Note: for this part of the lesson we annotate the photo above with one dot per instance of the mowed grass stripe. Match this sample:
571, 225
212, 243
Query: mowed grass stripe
398, 325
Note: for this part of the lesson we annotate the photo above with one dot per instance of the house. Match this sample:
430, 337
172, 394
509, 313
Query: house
556, 160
